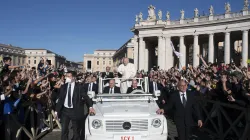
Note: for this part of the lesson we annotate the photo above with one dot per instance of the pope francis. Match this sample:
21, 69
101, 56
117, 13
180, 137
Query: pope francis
128, 71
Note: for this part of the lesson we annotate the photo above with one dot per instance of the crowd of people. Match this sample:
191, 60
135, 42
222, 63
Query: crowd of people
23, 87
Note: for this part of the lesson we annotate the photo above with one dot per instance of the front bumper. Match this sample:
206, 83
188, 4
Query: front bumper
103, 137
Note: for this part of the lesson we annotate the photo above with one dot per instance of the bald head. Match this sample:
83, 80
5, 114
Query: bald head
125, 61
182, 86
111, 83
134, 83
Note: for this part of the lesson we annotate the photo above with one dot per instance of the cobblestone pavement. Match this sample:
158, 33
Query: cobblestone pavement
55, 134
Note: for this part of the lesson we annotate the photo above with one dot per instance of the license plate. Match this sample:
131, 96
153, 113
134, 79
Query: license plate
127, 137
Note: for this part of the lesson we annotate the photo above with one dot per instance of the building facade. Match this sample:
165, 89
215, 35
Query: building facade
127, 50
17, 54
34, 56
155, 39
98, 61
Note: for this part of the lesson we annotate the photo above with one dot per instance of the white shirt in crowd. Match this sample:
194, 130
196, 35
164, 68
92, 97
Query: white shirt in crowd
155, 86
185, 95
66, 99
90, 86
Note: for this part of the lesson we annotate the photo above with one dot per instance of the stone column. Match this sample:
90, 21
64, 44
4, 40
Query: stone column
13, 60
169, 58
211, 48
227, 48
141, 53
135, 41
182, 59
196, 50
146, 56
244, 48
161, 52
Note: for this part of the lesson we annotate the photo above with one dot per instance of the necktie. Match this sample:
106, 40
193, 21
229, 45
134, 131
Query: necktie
110, 91
183, 100
90, 85
69, 95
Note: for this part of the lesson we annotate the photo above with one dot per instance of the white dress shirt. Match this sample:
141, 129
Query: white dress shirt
185, 95
90, 86
2, 97
66, 99
155, 86
111, 92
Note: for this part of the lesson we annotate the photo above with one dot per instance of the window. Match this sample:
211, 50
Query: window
34, 61
97, 62
103, 62
88, 64
109, 62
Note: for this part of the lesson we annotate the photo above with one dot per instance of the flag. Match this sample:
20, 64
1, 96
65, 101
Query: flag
175, 52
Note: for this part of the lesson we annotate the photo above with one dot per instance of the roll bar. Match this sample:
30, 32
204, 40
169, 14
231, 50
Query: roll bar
145, 79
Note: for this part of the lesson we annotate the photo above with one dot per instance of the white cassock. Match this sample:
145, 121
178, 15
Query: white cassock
127, 72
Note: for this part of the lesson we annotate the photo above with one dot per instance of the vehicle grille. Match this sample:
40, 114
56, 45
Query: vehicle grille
136, 125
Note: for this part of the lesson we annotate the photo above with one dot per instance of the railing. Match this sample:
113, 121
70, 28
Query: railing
32, 132
223, 120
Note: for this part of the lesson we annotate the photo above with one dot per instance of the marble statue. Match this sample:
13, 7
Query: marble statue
211, 10
246, 4
151, 13
160, 15
140, 16
136, 19
182, 14
227, 8
168, 15
196, 12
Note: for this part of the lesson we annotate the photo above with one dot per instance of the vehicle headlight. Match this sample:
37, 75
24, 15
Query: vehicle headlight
96, 124
156, 123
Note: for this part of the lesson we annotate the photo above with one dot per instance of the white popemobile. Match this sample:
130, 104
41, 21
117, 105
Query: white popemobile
126, 116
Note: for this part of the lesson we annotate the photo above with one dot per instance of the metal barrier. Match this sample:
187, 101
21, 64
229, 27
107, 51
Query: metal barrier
224, 120
34, 134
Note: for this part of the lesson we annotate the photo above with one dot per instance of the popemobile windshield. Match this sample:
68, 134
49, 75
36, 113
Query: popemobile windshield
126, 116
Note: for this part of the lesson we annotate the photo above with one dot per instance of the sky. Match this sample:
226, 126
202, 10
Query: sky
73, 28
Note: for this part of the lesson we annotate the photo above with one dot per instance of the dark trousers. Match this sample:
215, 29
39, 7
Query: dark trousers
67, 116
184, 132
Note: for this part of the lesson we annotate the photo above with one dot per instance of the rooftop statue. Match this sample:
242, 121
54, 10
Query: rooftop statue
136, 19
160, 15
211, 10
140, 16
227, 8
151, 13
196, 12
246, 4
168, 15
182, 14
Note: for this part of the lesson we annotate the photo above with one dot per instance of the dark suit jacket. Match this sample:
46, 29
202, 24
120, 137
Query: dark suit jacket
110, 75
80, 97
151, 87
130, 89
183, 115
117, 90
94, 87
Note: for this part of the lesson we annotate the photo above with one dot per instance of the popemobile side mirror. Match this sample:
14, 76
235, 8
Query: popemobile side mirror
91, 94
157, 93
